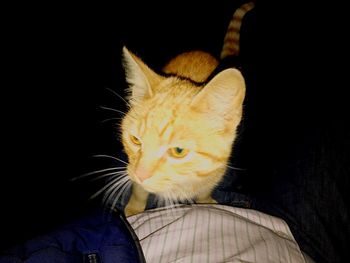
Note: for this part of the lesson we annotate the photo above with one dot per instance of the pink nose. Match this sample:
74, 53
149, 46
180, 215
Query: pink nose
142, 173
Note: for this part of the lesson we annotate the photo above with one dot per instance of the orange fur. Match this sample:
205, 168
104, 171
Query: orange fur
196, 65
171, 113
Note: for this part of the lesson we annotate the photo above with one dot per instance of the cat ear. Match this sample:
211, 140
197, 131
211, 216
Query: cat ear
141, 79
223, 95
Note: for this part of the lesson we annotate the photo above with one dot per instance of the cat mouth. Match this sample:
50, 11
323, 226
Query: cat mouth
153, 188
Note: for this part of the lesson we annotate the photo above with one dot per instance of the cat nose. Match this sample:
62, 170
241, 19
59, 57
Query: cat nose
142, 173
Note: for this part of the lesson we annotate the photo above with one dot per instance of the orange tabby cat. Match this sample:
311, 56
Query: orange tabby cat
179, 130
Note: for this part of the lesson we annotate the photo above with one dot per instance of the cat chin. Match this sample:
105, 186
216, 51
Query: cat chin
165, 193
159, 192
174, 195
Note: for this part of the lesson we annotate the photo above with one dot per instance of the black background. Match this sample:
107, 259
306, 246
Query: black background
59, 59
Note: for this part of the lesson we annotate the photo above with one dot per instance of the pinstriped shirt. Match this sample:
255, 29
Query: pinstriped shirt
214, 233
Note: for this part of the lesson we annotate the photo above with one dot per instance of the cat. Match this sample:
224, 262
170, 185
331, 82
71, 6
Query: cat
179, 130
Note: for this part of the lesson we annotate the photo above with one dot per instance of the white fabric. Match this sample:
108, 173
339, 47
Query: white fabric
214, 233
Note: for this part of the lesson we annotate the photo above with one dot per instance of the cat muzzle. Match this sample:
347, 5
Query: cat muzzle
142, 174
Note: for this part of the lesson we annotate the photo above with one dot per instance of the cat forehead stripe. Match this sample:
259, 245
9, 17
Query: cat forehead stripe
182, 78
165, 127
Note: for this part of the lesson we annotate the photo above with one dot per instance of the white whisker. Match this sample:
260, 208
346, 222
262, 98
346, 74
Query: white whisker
105, 187
157, 200
113, 189
120, 97
110, 119
170, 204
111, 109
112, 175
235, 168
166, 201
121, 193
111, 157
96, 172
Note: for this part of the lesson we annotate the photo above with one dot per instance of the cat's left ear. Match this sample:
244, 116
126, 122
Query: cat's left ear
141, 79
223, 95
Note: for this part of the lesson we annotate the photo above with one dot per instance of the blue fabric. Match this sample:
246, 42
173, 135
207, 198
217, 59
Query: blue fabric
98, 237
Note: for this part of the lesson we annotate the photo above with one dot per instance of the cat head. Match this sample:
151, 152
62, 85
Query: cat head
178, 134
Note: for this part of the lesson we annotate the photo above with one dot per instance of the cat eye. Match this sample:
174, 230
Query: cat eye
178, 152
135, 140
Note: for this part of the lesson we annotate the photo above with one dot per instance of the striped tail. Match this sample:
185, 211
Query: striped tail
231, 40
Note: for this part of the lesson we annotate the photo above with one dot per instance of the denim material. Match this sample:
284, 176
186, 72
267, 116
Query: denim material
97, 236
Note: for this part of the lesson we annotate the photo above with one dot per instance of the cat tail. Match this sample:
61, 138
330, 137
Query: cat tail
231, 40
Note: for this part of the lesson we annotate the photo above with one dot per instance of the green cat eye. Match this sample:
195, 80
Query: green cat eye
178, 152
135, 140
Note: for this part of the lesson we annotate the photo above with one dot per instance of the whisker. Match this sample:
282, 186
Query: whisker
105, 187
96, 172
187, 199
120, 97
121, 193
160, 201
115, 175
170, 205
157, 200
110, 119
235, 168
109, 156
113, 189
166, 201
113, 198
111, 109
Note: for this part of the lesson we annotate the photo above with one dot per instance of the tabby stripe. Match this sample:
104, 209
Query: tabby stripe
159, 162
146, 120
164, 129
230, 49
202, 174
215, 158
229, 43
233, 31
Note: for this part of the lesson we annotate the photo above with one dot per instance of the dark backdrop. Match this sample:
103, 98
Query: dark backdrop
61, 59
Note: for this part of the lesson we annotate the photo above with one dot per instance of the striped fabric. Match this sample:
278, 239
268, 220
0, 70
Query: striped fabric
214, 233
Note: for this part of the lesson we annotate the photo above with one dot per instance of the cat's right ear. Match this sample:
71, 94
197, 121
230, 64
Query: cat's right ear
141, 79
